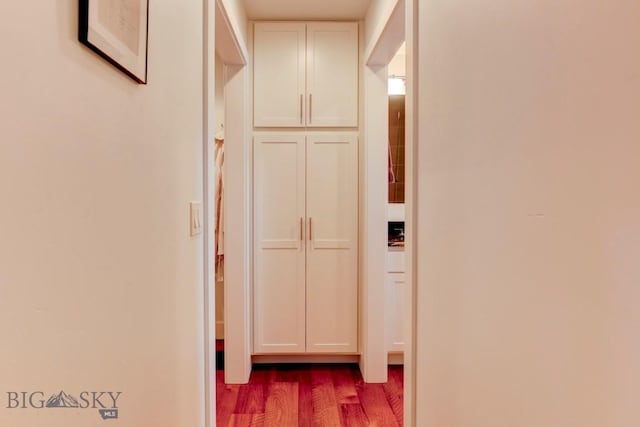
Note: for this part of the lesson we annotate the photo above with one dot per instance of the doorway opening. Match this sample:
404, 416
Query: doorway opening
225, 92
234, 101
393, 59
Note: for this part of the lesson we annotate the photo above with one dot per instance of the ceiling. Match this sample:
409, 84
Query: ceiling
306, 9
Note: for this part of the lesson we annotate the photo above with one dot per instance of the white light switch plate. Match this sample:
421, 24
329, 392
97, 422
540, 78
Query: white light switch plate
195, 218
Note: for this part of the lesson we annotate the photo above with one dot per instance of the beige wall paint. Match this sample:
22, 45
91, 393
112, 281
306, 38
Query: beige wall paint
398, 64
529, 214
376, 19
100, 283
219, 94
238, 21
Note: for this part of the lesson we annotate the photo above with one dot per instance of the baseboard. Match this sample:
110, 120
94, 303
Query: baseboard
395, 358
305, 358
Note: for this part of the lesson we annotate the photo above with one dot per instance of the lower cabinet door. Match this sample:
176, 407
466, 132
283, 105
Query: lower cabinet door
305, 243
332, 244
394, 307
279, 244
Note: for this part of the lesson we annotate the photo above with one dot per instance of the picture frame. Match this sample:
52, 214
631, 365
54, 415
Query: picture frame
118, 31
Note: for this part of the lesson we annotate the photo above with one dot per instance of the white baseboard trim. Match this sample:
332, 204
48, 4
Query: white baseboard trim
305, 358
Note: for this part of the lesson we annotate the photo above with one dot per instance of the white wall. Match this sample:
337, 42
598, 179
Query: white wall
398, 64
237, 262
377, 17
373, 224
528, 227
100, 283
238, 208
237, 17
219, 93
373, 155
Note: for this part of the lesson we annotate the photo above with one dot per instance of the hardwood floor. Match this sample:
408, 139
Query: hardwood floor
310, 395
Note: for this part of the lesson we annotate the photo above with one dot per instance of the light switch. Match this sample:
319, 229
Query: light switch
195, 220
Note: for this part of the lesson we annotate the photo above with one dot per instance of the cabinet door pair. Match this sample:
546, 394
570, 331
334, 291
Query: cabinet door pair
305, 242
306, 74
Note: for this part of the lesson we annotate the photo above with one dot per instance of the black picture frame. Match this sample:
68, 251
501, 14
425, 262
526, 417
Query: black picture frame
118, 31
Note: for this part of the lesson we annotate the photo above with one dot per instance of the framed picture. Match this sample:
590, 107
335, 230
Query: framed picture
117, 30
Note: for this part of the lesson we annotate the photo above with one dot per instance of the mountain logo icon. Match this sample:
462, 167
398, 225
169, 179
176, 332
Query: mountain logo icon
62, 400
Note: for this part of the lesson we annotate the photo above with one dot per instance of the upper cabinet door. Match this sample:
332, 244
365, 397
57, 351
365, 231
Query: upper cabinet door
279, 74
332, 74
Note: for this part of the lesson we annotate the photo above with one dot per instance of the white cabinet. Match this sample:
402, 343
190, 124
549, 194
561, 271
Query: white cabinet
279, 82
332, 74
394, 293
305, 74
305, 187
394, 304
279, 247
305, 242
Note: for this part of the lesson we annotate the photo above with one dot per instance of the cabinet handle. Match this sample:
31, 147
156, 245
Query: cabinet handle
301, 227
310, 106
300, 108
310, 229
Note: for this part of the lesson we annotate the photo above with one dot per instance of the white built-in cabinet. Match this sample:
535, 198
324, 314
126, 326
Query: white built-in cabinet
394, 301
305, 187
305, 295
305, 74
394, 293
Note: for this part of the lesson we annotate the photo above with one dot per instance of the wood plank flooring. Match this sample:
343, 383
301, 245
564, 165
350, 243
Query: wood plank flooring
310, 395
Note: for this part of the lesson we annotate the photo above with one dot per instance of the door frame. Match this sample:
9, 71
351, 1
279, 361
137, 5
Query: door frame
222, 37
221, 33
401, 24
